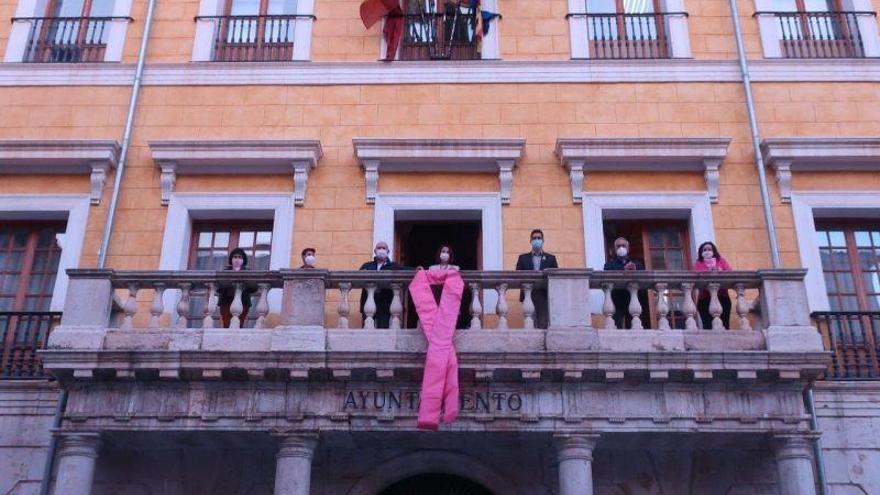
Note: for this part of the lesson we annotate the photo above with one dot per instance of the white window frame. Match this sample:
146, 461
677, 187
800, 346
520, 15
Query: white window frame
18, 36
489, 205
186, 207
72, 207
771, 32
676, 29
490, 49
694, 206
806, 208
203, 41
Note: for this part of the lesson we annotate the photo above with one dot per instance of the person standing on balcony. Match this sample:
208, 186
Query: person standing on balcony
381, 261
710, 260
237, 261
308, 258
621, 261
537, 259
443, 261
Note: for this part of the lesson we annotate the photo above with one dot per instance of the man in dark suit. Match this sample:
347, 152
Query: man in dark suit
621, 261
383, 297
537, 259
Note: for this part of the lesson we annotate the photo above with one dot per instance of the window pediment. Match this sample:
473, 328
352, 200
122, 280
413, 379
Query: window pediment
274, 157
643, 155
439, 155
92, 157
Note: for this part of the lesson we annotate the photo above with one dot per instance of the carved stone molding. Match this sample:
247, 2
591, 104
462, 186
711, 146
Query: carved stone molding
274, 157
579, 156
92, 157
787, 155
439, 155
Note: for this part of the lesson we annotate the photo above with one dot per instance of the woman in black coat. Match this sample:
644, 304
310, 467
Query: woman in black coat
237, 261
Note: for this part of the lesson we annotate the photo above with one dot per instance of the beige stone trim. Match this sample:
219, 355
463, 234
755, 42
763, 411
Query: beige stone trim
439, 155
295, 157
580, 155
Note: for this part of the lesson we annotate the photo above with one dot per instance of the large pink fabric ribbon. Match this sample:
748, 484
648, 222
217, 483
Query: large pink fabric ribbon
439, 396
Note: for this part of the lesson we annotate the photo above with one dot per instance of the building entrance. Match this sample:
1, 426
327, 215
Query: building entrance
435, 484
417, 242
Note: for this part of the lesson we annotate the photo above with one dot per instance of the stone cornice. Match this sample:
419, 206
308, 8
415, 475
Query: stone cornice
580, 155
818, 154
484, 71
75, 156
296, 157
439, 155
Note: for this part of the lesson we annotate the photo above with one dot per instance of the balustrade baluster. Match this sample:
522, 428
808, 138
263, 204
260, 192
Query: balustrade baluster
158, 305
476, 307
662, 307
236, 308
130, 307
742, 307
396, 307
262, 306
635, 307
183, 305
608, 307
689, 308
528, 307
210, 306
342, 308
501, 307
715, 306
370, 307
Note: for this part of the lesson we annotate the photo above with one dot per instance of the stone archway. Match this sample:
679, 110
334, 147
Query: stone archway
425, 462
436, 484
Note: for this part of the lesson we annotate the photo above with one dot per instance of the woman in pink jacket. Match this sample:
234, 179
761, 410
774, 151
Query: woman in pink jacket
710, 260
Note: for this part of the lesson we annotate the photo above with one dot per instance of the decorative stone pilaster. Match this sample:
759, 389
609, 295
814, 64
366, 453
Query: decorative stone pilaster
167, 179
783, 179
712, 175
371, 174
575, 454
293, 469
794, 464
76, 463
97, 179
505, 178
301, 171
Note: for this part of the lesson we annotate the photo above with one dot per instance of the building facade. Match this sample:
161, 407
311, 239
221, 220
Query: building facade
141, 141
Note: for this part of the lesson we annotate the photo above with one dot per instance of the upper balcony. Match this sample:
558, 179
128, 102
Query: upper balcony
253, 38
308, 332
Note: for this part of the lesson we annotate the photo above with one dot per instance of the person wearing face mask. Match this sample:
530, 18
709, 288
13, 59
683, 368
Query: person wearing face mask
710, 260
308, 257
443, 261
381, 261
537, 259
622, 261
237, 261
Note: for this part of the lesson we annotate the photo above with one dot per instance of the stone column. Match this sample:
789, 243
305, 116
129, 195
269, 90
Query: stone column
293, 468
575, 453
794, 464
76, 463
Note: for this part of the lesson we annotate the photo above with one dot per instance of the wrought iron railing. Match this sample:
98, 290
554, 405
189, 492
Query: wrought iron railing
852, 337
67, 39
628, 36
820, 34
253, 38
440, 36
24, 333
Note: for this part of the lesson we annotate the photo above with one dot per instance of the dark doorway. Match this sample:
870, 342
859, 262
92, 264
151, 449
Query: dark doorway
418, 240
435, 484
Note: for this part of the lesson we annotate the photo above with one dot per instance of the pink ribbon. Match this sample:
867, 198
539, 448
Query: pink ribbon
439, 396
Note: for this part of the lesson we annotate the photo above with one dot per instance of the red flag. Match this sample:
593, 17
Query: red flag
374, 10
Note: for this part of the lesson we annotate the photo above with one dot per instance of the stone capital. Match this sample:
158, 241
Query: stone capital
793, 446
80, 445
298, 445
575, 446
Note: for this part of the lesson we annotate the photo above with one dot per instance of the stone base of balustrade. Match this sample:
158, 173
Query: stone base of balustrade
641, 340
77, 337
571, 339
793, 339
709, 340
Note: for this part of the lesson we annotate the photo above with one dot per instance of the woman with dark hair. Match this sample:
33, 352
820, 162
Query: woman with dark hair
444, 259
710, 260
237, 261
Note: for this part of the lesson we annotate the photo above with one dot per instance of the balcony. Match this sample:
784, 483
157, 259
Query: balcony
24, 333
630, 36
440, 36
816, 34
253, 38
853, 337
68, 39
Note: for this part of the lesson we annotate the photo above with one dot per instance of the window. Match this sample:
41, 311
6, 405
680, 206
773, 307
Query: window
70, 31
850, 253
662, 245
817, 29
209, 250
29, 257
255, 30
626, 29
438, 30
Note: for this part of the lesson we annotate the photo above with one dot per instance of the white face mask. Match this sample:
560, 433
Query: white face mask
382, 254
310, 260
622, 252
708, 254
444, 257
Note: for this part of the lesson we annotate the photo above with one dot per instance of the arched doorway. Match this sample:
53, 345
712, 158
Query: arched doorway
435, 484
